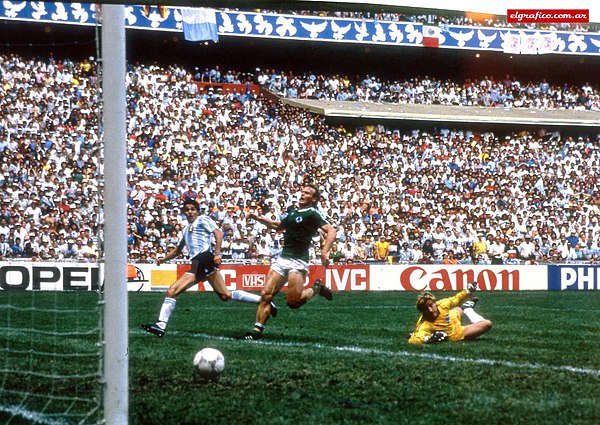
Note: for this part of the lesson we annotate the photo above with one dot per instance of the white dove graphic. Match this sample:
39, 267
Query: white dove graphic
461, 37
178, 19
227, 24
79, 12
155, 19
40, 9
314, 29
396, 33
61, 13
338, 31
577, 42
414, 35
285, 26
485, 40
379, 33
130, 17
262, 25
243, 24
361, 31
13, 9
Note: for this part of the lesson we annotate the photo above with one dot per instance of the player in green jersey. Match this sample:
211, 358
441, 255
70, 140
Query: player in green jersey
300, 226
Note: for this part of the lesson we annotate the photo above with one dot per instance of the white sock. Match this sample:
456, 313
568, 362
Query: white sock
472, 315
165, 311
245, 297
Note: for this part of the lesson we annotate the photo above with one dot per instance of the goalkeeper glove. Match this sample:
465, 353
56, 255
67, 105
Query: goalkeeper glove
437, 336
472, 286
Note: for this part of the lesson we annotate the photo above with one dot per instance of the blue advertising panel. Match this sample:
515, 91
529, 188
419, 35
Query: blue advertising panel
573, 278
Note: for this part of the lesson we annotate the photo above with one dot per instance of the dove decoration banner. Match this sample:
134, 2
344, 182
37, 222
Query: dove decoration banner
319, 29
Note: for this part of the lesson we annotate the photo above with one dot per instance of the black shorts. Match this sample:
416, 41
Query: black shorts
203, 265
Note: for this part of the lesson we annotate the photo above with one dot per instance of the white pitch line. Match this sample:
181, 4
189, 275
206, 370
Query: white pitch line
429, 356
34, 417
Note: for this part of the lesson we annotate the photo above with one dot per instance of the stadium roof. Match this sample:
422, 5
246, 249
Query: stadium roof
447, 114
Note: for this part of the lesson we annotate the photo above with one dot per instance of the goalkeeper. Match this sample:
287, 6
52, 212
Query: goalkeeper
441, 320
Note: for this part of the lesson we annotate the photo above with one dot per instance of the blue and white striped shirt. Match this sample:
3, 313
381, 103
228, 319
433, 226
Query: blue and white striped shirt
198, 235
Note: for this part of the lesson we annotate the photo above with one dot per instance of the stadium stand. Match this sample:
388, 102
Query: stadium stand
508, 92
430, 196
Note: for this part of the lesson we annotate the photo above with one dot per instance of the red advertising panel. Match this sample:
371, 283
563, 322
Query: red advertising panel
253, 277
245, 277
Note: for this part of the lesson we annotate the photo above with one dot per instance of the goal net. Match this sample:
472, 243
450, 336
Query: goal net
50, 372
57, 353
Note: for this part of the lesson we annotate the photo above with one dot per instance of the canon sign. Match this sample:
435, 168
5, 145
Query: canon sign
455, 279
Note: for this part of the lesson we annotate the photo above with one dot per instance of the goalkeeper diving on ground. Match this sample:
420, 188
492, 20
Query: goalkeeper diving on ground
441, 320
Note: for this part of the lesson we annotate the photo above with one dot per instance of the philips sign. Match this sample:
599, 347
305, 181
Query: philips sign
574, 278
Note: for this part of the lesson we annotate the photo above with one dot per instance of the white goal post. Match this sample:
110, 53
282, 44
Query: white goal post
116, 401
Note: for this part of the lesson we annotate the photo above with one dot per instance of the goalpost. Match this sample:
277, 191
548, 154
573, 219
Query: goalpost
116, 401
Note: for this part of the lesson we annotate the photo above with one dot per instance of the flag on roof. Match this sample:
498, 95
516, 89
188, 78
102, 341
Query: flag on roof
199, 24
431, 36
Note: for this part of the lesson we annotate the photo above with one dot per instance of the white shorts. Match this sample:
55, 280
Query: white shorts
284, 266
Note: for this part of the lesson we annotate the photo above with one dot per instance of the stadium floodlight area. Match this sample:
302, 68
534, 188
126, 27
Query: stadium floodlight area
50, 371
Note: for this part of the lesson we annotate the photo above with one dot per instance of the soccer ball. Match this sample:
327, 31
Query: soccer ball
209, 363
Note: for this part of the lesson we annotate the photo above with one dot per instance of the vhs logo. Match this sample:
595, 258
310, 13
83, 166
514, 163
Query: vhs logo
253, 280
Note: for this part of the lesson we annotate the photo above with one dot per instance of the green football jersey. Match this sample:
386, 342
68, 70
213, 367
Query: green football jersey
300, 227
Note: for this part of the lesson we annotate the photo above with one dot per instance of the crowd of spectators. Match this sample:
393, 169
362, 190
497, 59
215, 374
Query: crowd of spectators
507, 92
418, 196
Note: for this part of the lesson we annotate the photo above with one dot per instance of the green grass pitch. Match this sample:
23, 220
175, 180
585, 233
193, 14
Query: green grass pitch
347, 362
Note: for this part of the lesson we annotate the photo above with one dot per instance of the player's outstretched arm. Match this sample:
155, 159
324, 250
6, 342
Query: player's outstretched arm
472, 287
273, 224
218, 241
172, 254
330, 233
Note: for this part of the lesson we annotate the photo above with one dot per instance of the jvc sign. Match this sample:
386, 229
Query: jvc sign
347, 278
574, 278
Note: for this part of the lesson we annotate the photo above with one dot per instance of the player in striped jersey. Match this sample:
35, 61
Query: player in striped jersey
300, 226
197, 237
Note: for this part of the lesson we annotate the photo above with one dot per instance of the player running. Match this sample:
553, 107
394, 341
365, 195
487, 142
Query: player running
197, 236
300, 226
441, 320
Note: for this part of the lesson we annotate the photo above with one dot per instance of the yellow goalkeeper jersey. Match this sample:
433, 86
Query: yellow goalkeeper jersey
448, 321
